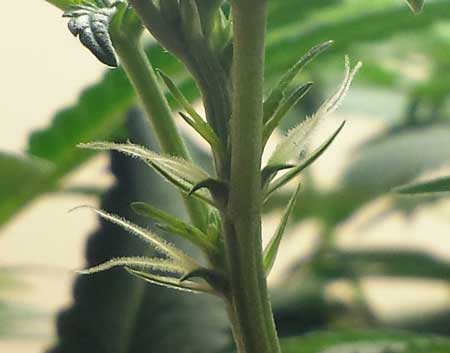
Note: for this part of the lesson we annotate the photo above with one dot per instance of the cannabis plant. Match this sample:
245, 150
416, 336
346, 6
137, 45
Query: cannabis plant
221, 44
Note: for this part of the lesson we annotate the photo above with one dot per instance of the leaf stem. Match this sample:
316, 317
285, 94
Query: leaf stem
250, 311
156, 107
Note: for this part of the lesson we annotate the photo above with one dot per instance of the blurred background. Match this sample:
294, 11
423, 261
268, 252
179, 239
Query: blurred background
357, 255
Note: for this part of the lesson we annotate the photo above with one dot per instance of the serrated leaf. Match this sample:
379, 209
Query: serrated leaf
181, 173
175, 225
170, 282
17, 172
416, 5
283, 180
137, 263
158, 243
271, 250
276, 95
283, 109
439, 185
368, 341
295, 143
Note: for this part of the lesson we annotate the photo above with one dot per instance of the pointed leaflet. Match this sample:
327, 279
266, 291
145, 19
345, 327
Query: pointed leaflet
175, 225
137, 262
196, 121
416, 5
271, 250
438, 185
283, 109
178, 171
294, 144
170, 282
305, 164
277, 93
158, 243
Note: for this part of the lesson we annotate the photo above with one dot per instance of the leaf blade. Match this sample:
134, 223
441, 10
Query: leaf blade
439, 185
146, 235
170, 282
175, 225
271, 250
136, 262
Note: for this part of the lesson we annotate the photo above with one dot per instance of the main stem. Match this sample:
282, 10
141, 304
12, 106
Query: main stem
249, 306
156, 107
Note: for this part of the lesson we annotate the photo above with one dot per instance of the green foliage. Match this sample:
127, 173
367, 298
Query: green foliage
189, 30
416, 5
284, 109
432, 186
181, 173
161, 245
65, 4
176, 226
21, 174
366, 341
276, 96
194, 119
296, 170
270, 252
295, 142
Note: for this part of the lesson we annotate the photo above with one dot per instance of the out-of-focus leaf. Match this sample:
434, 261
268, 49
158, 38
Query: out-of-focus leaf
426, 187
18, 178
366, 342
416, 5
398, 159
389, 262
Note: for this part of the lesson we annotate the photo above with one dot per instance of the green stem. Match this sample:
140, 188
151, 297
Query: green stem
250, 311
156, 107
